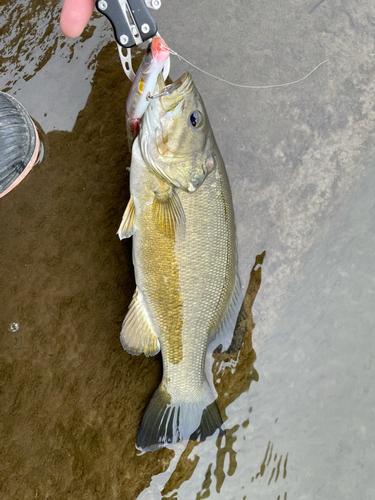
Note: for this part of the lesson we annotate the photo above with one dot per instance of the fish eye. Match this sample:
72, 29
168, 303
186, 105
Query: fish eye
195, 118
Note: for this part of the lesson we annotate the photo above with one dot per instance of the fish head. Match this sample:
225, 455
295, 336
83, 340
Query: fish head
176, 135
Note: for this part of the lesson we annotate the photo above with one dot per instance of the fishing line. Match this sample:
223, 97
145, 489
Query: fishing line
245, 86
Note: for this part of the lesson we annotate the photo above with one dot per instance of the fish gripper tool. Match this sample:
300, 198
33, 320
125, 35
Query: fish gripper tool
132, 25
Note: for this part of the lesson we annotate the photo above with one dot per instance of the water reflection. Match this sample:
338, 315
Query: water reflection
32, 34
276, 470
49, 73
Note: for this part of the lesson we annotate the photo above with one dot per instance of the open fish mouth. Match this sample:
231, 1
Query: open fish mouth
177, 91
180, 85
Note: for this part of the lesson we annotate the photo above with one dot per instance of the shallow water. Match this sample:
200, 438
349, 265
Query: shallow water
300, 417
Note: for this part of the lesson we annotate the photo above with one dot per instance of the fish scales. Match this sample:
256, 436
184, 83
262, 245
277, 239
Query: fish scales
197, 269
157, 273
184, 254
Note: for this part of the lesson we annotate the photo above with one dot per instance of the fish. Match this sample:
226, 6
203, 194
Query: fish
181, 218
155, 57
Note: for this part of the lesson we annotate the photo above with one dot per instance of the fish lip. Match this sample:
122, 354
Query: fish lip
179, 87
176, 92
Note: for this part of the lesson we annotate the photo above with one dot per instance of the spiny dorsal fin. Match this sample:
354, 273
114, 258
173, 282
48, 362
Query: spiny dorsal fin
137, 335
127, 226
169, 213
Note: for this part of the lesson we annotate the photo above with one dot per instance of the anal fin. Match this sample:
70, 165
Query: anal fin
127, 226
137, 335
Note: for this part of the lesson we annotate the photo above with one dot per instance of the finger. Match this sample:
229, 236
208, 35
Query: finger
75, 15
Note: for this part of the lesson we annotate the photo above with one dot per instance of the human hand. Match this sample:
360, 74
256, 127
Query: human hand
75, 15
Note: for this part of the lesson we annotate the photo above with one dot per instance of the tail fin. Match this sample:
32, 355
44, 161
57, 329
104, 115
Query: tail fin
166, 421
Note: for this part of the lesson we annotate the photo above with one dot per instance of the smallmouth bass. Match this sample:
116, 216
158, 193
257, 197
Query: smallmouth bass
181, 217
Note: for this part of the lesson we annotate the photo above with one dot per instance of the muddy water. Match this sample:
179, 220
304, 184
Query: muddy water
299, 418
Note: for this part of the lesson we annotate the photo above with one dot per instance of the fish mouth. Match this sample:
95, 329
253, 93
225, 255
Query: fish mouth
177, 91
180, 85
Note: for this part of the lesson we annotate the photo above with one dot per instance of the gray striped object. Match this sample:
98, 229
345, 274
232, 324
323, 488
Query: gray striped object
19, 143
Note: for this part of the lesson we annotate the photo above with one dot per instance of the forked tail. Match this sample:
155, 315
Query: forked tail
167, 421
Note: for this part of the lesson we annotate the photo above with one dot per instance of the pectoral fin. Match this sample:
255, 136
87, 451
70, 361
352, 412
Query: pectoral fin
169, 212
127, 226
137, 335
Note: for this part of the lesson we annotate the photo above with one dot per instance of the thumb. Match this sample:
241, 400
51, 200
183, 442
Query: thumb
75, 15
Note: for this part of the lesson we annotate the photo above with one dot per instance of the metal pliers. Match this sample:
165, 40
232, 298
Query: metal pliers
132, 24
